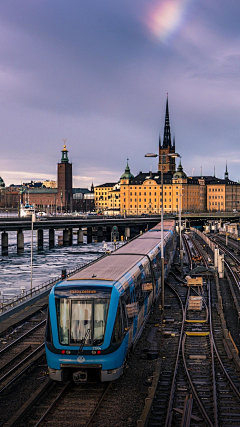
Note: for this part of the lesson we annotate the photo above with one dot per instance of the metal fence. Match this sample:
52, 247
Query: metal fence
9, 303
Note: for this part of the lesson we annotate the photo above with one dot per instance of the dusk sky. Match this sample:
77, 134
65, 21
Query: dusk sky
96, 72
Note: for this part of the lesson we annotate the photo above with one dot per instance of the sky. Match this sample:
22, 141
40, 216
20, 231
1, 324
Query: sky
96, 73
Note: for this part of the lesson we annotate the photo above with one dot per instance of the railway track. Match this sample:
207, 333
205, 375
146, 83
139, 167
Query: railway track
61, 404
19, 355
204, 381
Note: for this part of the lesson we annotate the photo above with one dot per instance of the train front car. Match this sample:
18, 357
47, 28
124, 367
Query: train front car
80, 340
96, 315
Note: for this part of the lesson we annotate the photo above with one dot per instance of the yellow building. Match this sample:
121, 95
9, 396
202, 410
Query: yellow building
50, 184
143, 193
223, 195
107, 198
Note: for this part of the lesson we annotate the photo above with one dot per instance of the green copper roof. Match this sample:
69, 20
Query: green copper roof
127, 174
64, 158
179, 173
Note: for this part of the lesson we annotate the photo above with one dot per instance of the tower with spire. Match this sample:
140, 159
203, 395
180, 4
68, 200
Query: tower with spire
226, 172
64, 194
166, 164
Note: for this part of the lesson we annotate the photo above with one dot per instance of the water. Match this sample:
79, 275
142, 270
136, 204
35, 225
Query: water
15, 269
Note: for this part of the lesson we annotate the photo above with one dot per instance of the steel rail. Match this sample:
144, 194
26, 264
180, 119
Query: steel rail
208, 314
170, 404
235, 277
21, 337
200, 405
53, 404
188, 251
106, 391
31, 355
15, 420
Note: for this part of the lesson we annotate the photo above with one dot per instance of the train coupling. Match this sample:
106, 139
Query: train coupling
80, 377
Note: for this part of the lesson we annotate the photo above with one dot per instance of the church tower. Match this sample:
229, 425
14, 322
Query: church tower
64, 194
226, 173
167, 164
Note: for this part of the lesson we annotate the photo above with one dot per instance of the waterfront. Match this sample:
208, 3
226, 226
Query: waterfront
47, 263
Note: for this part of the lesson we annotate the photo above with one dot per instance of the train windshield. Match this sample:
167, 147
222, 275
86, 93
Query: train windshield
82, 321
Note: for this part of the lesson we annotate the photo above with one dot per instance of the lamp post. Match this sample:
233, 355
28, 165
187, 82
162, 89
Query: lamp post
162, 238
61, 201
33, 220
180, 228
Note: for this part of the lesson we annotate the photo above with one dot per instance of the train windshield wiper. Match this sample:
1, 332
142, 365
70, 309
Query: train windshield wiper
98, 340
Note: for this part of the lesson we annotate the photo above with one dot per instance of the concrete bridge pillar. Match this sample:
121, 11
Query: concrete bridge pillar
80, 236
70, 236
127, 233
100, 234
4, 243
89, 234
65, 238
108, 234
20, 241
40, 239
51, 237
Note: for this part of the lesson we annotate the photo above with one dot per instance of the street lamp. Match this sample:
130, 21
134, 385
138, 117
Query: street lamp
33, 220
162, 247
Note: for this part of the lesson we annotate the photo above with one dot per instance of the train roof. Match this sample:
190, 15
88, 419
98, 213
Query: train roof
114, 266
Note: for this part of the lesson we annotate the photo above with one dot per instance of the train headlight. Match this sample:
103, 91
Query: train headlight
99, 352
63, 351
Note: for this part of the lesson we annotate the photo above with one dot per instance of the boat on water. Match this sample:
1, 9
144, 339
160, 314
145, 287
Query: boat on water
26, 210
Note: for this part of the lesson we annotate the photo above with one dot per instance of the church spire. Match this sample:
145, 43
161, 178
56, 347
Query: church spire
226, 172
167, 133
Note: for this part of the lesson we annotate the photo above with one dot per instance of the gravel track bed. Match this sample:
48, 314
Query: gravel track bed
14, 397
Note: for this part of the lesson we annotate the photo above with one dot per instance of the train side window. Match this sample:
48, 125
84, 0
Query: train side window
124, 316
139, 291
148, 272
117, 335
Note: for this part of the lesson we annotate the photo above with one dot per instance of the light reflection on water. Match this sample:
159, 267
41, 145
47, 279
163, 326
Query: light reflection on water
47, 263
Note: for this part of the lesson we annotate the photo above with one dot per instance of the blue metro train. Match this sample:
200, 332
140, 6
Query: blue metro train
96, 315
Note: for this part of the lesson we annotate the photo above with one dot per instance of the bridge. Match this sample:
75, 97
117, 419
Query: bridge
98, 227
